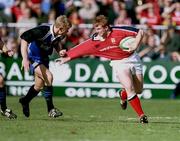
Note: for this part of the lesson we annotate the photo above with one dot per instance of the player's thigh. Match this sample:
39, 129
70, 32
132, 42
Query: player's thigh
1, 81
39, 82
44, 73
125, 77
138, 83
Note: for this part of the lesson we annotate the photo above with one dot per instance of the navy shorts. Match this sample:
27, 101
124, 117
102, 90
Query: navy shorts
37, 56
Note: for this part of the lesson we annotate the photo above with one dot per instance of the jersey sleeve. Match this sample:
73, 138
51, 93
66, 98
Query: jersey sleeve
34, 33
85, 48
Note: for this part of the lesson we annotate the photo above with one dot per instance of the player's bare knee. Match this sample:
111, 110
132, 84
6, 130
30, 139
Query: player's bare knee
38, 87
130, 90
139, 91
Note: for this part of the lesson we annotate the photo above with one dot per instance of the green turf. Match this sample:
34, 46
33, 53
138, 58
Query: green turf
92, 120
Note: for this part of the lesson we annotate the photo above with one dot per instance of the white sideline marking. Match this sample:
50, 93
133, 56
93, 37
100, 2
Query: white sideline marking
169, 118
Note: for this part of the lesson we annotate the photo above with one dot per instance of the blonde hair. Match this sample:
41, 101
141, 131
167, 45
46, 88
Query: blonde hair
62, 21
101, 20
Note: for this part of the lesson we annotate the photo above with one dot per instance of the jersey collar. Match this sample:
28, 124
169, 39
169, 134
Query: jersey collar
51, 30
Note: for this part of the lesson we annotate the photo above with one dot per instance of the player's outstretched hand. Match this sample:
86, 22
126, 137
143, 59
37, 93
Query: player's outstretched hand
63, 60
62, 53
10, 53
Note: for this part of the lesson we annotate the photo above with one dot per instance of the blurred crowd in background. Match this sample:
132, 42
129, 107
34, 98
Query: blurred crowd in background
161, 42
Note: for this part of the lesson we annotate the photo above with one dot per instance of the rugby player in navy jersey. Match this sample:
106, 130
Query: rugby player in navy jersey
4, 110
36, 44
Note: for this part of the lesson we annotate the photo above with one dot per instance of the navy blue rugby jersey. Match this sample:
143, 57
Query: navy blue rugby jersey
43, 36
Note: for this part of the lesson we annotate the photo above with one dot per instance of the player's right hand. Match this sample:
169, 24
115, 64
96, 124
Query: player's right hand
25, 64
62, 53
63, 60
10, 53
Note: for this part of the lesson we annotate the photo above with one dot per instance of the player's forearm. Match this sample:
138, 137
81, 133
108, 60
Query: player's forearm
24, 49
138, 39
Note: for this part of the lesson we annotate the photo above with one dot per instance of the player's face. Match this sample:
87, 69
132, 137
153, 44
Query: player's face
100, 30
61, 31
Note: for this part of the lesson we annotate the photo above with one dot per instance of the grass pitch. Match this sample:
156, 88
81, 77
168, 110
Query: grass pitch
92, 119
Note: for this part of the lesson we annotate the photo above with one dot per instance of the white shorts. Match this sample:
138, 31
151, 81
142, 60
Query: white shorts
133, 62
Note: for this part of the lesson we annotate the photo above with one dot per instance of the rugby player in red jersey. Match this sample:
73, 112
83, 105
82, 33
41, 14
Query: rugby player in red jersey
127, 64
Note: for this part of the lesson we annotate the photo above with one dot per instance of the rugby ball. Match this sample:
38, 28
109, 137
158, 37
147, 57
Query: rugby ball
127, 43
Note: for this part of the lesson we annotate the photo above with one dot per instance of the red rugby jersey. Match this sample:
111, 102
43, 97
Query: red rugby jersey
109, 48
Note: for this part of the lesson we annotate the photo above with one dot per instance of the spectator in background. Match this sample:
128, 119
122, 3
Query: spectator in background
122, 18
38, 13
75, 19
26, 19
175, 56
46, 6
106, 8
147, 14
74, 37
5, 10
171, 13
167, 8
4, 33
18, 9
147, 52
151, 42
161, 54
170, 39
51, 16
58, 6
88, 10
130, 4
167, 21
151, 32
176, 14
176, 91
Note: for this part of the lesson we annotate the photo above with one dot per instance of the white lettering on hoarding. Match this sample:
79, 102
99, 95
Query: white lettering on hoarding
27, 76
173, 74
100, 73
78, 69
14, 72
152, 76
2, 69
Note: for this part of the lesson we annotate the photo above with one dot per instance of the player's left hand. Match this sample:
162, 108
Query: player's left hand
63, 60
10, 53
131, 48
62, 53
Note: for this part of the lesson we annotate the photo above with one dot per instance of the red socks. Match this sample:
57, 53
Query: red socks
123, 95
136, 105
